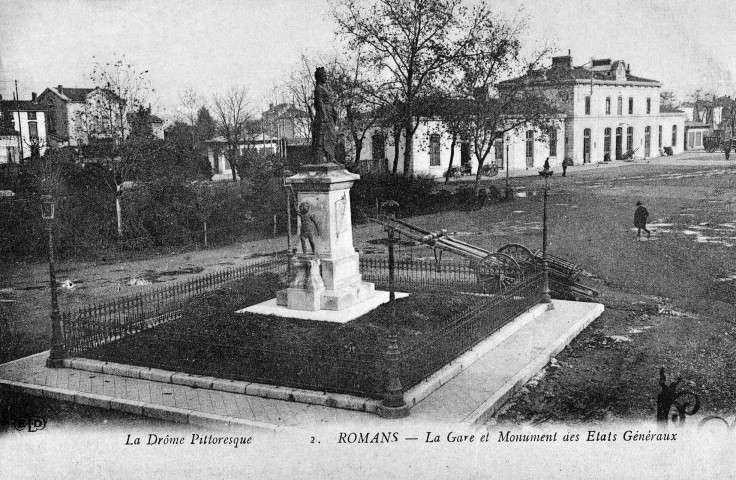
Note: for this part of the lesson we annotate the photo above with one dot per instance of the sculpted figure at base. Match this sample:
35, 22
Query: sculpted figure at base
324, 136
309, 228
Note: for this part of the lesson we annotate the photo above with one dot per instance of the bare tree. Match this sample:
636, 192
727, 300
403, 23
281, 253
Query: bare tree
409, 43
232, 112
130, 90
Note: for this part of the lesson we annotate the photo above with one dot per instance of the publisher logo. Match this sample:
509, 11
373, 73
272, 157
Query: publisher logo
29, 423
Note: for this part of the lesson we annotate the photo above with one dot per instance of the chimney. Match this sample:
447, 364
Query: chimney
562, 62
33, 96
60, 89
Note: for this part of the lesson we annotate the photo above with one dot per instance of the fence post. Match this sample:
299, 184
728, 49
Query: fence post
393, 405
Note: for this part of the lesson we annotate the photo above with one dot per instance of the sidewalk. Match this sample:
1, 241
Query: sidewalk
474, 386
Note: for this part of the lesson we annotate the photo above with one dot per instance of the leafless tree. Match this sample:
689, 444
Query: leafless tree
128, 83
411, 44
232, 112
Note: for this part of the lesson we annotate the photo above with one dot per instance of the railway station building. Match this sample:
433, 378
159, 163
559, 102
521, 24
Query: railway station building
605, 112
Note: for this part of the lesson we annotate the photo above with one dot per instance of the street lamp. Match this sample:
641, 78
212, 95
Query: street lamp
56, 357
546, 298
508, 139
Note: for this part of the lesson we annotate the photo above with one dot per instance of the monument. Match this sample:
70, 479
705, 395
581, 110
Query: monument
325, 275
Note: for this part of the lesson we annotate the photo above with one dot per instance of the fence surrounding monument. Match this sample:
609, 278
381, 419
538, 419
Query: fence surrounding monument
100, 323
333, 368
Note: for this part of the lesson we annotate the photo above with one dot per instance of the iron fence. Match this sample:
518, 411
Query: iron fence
421, 358
323, 367
100, 323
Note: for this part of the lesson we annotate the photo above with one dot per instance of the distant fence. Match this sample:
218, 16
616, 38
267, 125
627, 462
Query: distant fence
326, 368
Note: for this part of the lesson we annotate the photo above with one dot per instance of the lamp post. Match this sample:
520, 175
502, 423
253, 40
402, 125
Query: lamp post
56, 357
546, 298
508, 139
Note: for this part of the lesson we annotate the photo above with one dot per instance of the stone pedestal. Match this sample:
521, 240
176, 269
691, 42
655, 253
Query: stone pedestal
325, 188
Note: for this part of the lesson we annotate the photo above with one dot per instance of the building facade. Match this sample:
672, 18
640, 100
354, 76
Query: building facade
523, 148
217, 148
608, 111
28, 120
78, 116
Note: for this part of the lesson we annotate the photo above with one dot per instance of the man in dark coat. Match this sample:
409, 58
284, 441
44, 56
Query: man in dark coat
640, 219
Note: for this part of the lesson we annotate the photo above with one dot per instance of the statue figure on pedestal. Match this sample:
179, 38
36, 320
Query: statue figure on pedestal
309, 228
324, 136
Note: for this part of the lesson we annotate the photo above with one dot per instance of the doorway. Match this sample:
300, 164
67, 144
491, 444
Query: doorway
529, 148
619, 142
647, 141
586, 145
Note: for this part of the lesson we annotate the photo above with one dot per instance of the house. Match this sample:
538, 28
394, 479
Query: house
285, 121
28, 119
217, 148
608, 110
9, 145
79, 116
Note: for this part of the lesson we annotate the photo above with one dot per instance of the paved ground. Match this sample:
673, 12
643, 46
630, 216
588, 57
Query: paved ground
470, 397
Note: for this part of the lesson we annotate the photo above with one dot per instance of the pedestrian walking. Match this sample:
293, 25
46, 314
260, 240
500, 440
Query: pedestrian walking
546, 164
727, 149
640, 220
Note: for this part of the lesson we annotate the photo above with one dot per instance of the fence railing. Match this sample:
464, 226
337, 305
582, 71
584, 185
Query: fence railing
100, 323
324, 367
420, 359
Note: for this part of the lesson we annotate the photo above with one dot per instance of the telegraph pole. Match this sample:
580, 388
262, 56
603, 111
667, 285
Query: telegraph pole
20, 128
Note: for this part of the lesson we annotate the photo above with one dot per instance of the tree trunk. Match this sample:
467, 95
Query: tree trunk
408, 147
452, 157
397, 139
119, 213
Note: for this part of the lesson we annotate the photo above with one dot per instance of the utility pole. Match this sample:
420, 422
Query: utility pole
20, 128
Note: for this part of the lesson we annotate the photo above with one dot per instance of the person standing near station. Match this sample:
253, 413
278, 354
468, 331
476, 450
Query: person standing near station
640, 220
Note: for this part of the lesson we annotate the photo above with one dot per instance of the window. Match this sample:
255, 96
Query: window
674, 135
660, 138
553, 142
587, 105
33, 131
499, 152
530, 143
620, 106
631, 105
434, 150
649, 105
608, 105
607, 145
630, 138
215, 159
12, 154
378, 147
31, 115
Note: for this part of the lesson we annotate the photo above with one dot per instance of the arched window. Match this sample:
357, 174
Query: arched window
586, 145
630, 138
620, 109
607, 145
659, 144
530, 144
674, 135
553, 142
434, 150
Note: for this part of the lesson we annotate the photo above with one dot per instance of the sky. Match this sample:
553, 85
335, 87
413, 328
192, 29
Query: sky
213, 45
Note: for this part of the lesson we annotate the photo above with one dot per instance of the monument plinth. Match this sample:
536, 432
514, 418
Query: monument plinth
323, 199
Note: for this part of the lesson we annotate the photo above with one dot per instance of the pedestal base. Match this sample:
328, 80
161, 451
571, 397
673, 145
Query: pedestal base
270, 307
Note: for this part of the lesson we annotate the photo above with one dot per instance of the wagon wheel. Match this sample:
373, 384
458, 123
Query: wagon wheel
490, 170
523, 256
498, 271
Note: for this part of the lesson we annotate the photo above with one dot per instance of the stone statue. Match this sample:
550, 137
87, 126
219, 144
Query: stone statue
324, 136
309, 228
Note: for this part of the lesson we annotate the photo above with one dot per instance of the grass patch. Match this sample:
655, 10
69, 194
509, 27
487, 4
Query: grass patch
212, 339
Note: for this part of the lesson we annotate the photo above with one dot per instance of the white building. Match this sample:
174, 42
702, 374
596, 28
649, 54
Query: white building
28, 118
608, 111
9, 146
217, 147
523, 148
